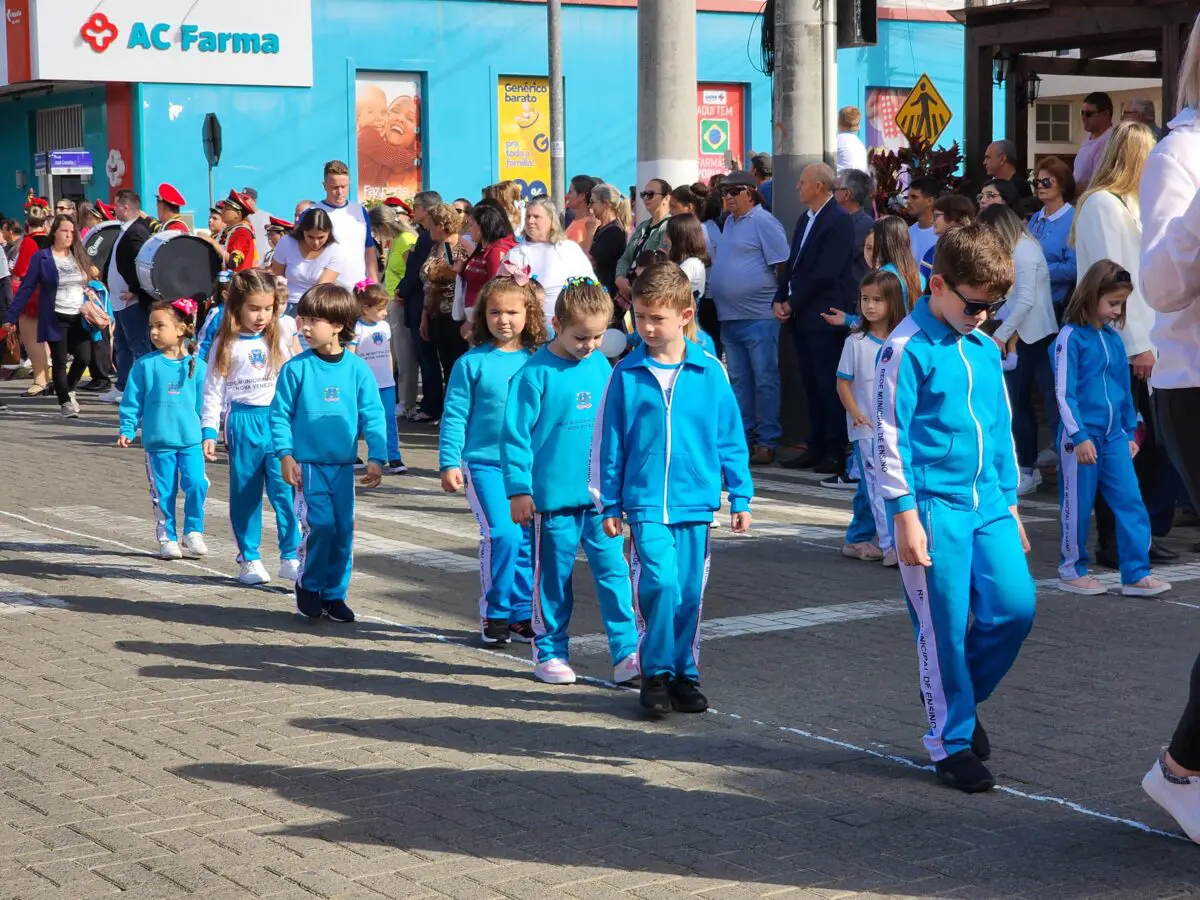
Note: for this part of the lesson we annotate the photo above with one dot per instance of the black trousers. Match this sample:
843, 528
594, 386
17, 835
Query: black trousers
1177, 414
818, 353
706, 315
74, 341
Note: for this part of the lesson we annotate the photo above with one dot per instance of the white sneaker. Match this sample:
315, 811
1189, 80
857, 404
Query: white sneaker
1047, 459
193, 542
716, 522
169, 550
74, 403
865, 551
69, 412
110, 396
1180, 797
253, 572
1030, 481
889, 558
627, 669
1150, 586
554, 671
1087, 586
289, 569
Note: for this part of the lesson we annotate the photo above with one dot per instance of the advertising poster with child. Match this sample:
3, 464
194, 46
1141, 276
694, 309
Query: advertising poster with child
523, 127
387, 114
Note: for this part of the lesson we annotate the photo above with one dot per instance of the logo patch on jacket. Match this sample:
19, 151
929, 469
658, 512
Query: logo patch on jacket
885, 355
377, 337
583, 400
174, 387
258, 358
332, 395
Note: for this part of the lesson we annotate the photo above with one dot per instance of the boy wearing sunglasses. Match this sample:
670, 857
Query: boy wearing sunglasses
948, 474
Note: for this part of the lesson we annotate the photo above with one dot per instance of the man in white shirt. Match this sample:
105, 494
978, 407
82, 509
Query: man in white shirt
131, 316
851, 151
351, 229
1097, 114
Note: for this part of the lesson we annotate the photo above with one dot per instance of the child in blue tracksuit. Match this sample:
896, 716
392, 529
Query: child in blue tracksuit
324, 400
246, 358
948, 473
507, 325
1096, 434
544, 450
163, 396
668, 431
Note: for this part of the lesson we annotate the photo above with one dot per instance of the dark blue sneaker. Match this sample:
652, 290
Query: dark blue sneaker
308, 604
339, 611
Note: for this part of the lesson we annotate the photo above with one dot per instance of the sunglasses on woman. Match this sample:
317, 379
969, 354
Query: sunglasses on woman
988, 195
646, 195
1046, 183
974, 307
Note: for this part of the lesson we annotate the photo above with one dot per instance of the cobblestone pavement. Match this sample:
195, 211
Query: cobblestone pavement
166, 733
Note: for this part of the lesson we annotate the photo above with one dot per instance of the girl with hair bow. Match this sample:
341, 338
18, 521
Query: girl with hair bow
163, 397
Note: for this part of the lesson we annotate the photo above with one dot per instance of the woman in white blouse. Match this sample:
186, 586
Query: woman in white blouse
308, 256
1029, 315
548, 253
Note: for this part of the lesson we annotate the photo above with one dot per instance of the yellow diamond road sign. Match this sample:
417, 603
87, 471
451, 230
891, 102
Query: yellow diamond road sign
924, 115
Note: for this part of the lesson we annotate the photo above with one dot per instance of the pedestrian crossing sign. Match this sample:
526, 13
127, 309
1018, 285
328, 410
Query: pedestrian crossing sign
924, 115
714, 135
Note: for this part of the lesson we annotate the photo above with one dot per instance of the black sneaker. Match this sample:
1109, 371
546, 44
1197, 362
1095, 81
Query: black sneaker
656, 694
686, 696
964, 771
359, 465
308, 604
338, 611
840, 483
521, 632
97, 384
495, 631
980, 745
396, 467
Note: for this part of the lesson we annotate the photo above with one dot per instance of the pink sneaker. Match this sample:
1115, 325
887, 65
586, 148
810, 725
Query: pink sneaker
627, 670
554, 671
865, 551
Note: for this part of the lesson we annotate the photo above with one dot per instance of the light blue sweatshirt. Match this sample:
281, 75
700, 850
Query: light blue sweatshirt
1054, 237
943, 425
1091, 383
548, 425
660, 452
320, 409
473, 415
164, 400
209, 330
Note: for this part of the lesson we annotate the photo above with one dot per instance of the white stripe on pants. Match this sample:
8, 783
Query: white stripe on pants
866, 456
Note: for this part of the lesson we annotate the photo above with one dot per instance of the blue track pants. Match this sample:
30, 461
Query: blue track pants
168, 471
978, 569
505, 548
556, 538
1113, 474
388, 396
670, 569
869, 522
325, 509
251, 463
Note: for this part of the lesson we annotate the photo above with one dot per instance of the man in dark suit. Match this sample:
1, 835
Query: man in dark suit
819, 277
853, 193
131, 304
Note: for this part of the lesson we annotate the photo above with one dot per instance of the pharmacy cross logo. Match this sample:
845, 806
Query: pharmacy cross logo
99, 32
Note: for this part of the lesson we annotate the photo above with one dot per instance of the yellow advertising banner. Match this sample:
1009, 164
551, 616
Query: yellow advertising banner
523, 117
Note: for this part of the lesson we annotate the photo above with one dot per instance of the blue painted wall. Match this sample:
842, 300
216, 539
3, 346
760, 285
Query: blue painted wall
277, 139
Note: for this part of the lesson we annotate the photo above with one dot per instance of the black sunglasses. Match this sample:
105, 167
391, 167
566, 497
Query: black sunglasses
646, 195
973, 307
1046, 183
732, 190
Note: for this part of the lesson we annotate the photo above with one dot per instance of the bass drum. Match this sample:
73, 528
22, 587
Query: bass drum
99, 243
171, 265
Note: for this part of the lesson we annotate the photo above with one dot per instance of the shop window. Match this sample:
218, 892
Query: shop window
1052, 123
60, 128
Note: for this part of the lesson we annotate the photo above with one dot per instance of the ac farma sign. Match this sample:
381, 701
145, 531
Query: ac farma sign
99, 32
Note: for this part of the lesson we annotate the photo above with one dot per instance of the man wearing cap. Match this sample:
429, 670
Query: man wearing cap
170, 201
276, 228
748, 257
237, 240
258, 221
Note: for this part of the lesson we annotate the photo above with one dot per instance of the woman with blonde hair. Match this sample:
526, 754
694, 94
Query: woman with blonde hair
508, 195
549, 255
612, 213
1170, 282
439, 274
1108, 226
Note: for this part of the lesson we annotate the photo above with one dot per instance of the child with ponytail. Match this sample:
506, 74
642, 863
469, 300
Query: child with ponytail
163, 396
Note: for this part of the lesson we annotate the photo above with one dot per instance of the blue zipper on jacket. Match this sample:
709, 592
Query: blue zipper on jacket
978, 428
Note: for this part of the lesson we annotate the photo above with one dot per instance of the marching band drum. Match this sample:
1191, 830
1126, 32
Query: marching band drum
171, 265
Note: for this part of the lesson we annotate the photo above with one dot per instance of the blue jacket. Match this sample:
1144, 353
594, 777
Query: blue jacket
1053, 235
548, 425
1091, 383
164, 400
209, 330
41, 276
660, 455
320, 409
820, 275
473, 415
703, 338
943, 424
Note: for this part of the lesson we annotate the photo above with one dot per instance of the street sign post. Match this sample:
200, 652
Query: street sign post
924, 115
212, 149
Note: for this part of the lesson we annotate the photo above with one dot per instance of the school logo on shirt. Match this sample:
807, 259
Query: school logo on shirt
174, 387
583, 400
332, 395
886, 355
258, 358
1069, 447
377, 337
